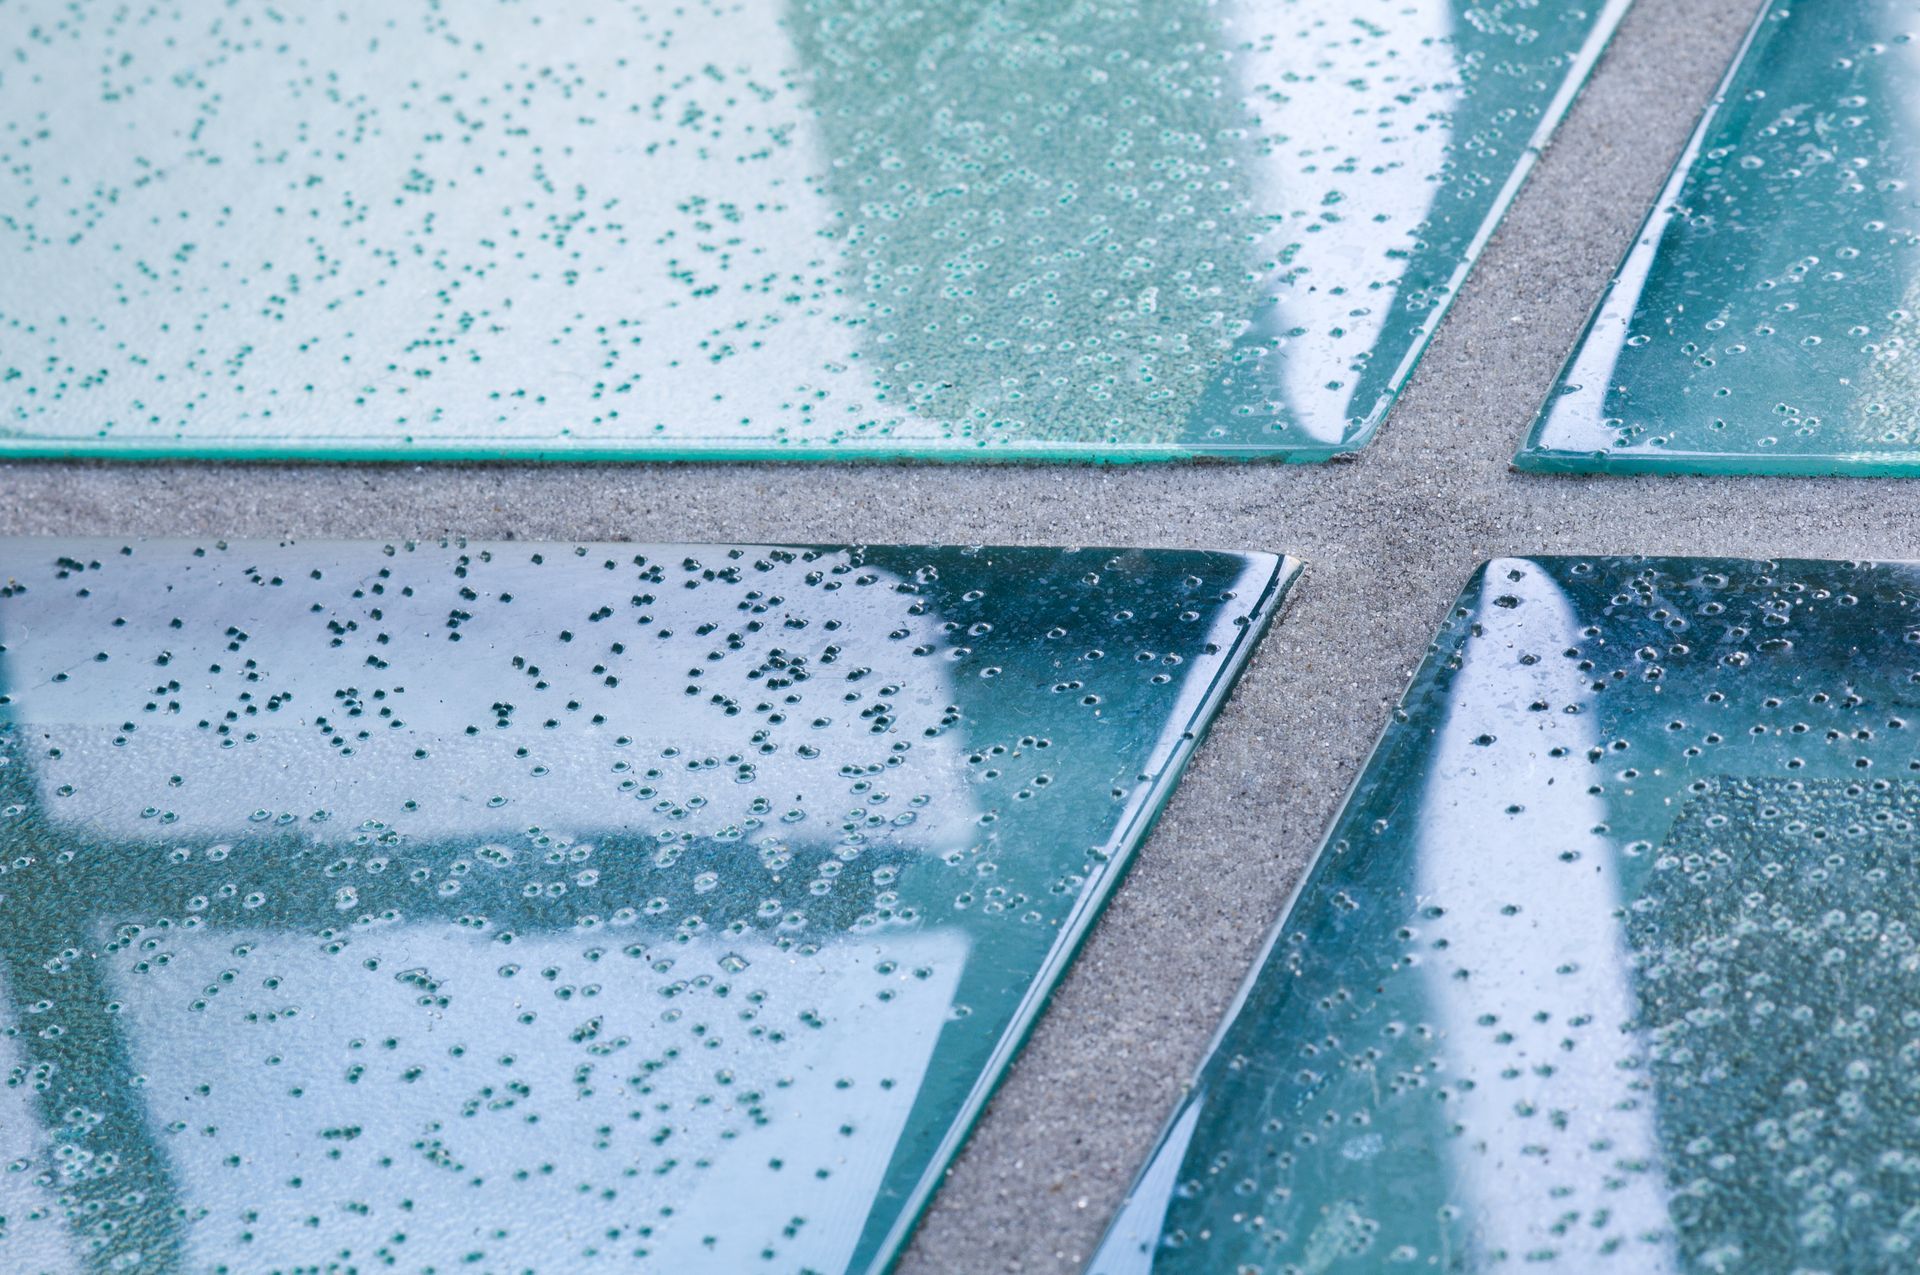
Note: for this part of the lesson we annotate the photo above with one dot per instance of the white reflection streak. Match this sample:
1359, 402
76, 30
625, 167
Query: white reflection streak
1343, 78
737, 1178
283, 760
1574, 418
1567, 922
1133, 1241
1893, 384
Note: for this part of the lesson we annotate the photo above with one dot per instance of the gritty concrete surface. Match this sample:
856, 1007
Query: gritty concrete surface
1388, 539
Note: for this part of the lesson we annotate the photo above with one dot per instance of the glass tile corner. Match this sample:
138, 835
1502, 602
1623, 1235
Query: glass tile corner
1606, 964
549, 906
815, 229
1762, 321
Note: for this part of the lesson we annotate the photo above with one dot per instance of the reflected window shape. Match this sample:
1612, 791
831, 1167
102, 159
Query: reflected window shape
1763, 321
554, 907
1606, 962
809, 229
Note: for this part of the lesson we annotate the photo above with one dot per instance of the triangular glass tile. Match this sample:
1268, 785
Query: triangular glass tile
1609, 961
1141, 230
1764, 321
563, 908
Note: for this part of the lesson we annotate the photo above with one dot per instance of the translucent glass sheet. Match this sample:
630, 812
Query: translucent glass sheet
1764, 320
553, 908
1608, 964
1131, 229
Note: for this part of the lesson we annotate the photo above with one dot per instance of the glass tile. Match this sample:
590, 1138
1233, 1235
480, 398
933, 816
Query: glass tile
1127, 230
1608, 963
1763, 321
514, 907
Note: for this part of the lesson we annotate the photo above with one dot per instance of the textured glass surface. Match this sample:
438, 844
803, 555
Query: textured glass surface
522, 907
1764, 322
1113, 229
1608, 965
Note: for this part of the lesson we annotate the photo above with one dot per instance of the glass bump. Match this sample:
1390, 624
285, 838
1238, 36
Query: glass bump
1608, 961
1124, 230
1763, 321
554, 907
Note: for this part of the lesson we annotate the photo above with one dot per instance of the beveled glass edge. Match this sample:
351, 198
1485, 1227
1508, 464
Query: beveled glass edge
1546, 460
705, 451
1423, 684
1283, 573
1537, 457
1558, 107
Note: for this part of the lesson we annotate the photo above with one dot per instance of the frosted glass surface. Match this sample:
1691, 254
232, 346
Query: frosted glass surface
542, 907
1120, 229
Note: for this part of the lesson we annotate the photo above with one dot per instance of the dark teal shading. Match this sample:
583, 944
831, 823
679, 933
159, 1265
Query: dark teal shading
1762, 322
1752, 745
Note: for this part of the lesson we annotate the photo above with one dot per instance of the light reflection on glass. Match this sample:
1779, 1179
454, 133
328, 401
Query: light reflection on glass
1607, 961
555, 906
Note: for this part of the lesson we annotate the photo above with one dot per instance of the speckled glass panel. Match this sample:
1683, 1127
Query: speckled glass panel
514, 907
1764, 321
1108, 229
1609, 962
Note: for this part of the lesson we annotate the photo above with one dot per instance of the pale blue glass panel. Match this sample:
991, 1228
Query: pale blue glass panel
1126, 230
1763, 323
541, 907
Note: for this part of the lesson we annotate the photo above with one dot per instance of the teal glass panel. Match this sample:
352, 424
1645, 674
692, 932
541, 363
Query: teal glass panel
514, 907
1763, 322
1112, 230
1609, 962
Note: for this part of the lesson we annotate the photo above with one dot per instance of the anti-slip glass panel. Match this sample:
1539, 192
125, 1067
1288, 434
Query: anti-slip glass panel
1608, 963
549, 907
1763, 322
1143, 229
